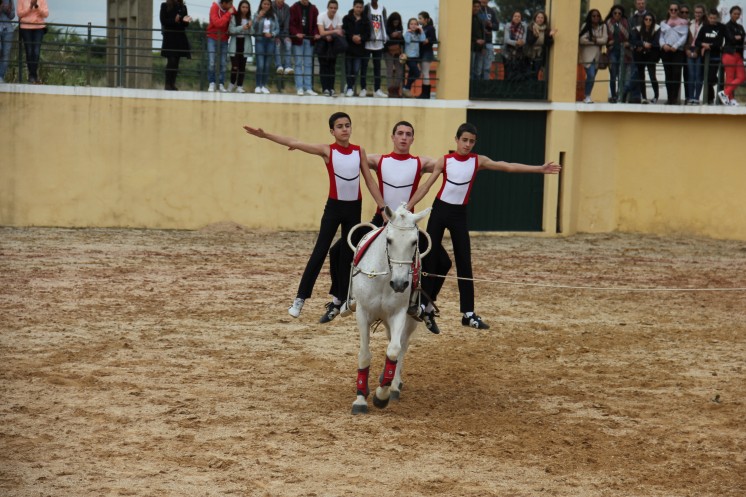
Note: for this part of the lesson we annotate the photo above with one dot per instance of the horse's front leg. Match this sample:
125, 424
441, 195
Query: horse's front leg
360, 406
397, 385
396, 327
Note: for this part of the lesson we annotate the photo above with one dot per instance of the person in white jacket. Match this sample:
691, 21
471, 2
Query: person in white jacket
674, 33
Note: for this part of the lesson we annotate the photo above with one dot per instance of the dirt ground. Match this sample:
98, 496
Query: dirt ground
164, 363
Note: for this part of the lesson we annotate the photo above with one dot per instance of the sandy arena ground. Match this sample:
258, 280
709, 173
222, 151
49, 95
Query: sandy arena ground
163, 363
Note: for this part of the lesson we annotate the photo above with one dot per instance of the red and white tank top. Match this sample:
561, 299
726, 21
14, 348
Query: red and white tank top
459, 172
344, 172
398, 178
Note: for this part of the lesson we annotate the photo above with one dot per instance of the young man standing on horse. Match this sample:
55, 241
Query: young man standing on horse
459, 171
344, 162
399, 175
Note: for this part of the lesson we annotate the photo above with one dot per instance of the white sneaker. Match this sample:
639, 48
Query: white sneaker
211, 87
311, 93
350, 93
297, 306
333, 94
300, 93
723, 98
280, 70
380, 94
240, 90
587, 100
732, 102
326, 93
265, 90
289, 70
362, 93
222, 89
258, 89
231, 87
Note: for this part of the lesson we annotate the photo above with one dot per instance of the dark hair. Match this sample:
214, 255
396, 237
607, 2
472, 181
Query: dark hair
338, 115
402, 123
588, 26
713, 12
614, 7
466, 128
735, 7
237, 15
331, 2
355, 2
270, 12
394, 16
426, 17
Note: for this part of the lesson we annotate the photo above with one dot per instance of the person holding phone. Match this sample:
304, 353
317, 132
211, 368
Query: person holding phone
32, 14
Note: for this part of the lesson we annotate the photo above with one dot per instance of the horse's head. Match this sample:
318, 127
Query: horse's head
402, 236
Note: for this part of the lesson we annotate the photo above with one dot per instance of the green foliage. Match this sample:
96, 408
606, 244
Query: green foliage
506, 8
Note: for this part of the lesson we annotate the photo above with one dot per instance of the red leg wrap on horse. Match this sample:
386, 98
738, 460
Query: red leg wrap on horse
362, 382
389, 370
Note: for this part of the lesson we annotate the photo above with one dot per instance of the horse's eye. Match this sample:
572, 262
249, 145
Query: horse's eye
388, 241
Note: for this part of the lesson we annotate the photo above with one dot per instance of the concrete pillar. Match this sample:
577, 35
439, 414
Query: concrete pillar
454, 28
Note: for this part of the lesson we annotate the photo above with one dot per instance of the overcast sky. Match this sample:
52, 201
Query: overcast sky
94, 11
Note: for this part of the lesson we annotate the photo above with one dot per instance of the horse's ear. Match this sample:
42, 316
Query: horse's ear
389, 212
422, 214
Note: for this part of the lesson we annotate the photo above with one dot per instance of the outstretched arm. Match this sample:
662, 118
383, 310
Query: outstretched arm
516, 167
369, 181
425, 187
292, 143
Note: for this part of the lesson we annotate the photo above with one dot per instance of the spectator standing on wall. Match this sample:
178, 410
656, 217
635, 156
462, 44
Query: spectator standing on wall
265, 29
710, 41
330, 30
357, 31
674, 33
735, 74
304, 31
477, 40
617, 47
413, 36
217, 38
240, 46
694, 60
32, 15
174, 21
7, 14
635, 20
488, 15
645, 41
377, 14
392, 54
516, 63
688, 85
283, 45
426, 52
539, 37
593, 35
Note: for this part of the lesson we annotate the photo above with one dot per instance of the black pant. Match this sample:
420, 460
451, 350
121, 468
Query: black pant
711, 78
336, 213
172, 69
238, 69
673, 66
647, 63
327, 72
377, 55
453, 218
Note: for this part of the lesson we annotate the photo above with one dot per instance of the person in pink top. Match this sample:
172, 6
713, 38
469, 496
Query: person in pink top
217, 33
32, 15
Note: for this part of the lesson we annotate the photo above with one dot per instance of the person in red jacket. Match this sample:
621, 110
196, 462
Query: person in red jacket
304, 31
217, 36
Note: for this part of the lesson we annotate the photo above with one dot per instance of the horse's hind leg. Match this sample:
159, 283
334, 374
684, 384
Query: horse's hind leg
360, 406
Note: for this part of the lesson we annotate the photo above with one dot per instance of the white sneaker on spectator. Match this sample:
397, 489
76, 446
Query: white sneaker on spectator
258, 89
380, 94
280, 70
732, 102
231, 87
300, 93
587, 100
289, 70
326, 93
362, 93
240, 90
311, 93
211, 87
265, 90
654, 100
333, 94
723, 98
222, 89
350, 93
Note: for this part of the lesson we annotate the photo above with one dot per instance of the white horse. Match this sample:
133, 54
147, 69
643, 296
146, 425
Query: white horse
386, 260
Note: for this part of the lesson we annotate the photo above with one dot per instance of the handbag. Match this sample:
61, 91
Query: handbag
603, 60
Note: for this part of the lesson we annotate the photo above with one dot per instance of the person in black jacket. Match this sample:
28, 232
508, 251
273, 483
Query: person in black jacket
710, 43
645, 42
174, 21
735, 74
478, 40
357, 31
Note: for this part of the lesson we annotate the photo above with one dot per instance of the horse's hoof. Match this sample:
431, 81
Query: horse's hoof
359, 409
394, 395
380, 403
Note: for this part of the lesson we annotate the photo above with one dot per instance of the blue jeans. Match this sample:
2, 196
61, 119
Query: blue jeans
212, 49
414, 73
477, 61
615, 67
32, 44
264, 48
353, 65
488, 56
590, 78
695, 70
303, 55
283, 46
6, 41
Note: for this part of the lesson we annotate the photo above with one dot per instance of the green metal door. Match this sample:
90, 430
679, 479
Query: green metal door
508, 201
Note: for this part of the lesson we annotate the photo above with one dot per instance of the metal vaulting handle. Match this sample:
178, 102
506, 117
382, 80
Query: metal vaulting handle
429, 244
352, 230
